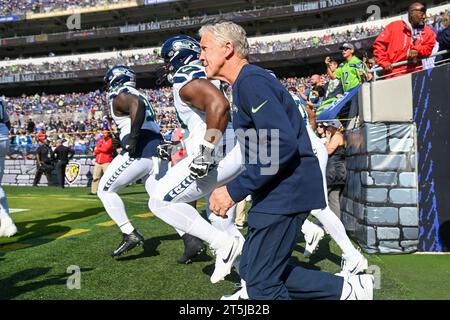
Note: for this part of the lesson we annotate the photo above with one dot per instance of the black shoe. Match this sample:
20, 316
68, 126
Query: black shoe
129, 242
193, 246
92, 194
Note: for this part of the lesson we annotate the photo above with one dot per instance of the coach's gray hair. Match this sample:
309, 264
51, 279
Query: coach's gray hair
228, 31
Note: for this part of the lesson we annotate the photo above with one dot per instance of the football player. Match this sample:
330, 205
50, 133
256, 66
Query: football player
7, 226
139, 135
204, 111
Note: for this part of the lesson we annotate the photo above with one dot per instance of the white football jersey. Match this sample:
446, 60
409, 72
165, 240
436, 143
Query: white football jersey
124, 123
192, 120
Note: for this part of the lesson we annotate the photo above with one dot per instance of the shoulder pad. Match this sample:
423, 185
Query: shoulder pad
188, 73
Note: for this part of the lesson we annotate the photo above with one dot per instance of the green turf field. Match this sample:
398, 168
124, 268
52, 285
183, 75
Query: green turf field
60, 228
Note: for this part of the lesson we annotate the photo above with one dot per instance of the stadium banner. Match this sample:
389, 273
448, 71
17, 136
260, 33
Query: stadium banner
432, 117
9, 18
150, 2
38, 77
319, 5
332, 111
104, 7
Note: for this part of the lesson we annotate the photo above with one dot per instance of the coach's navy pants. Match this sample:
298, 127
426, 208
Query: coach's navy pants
264, 265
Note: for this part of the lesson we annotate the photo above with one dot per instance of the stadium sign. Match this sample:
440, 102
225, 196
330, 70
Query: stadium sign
317, 5
38, 77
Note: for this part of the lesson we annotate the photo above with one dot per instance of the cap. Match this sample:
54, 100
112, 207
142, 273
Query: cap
347, 46
335, 123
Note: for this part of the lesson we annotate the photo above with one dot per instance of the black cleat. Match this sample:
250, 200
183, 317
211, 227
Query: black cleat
129, 242
193, 246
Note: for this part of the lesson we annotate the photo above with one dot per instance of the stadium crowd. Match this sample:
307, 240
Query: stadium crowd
302, 43
16, 7
80, 64
436, 22
76, 117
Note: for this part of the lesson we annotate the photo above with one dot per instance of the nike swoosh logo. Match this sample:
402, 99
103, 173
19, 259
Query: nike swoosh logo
353, 270
312, 240
255, 110
229, 255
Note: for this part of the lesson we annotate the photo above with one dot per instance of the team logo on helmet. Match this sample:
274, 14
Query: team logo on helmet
177, 52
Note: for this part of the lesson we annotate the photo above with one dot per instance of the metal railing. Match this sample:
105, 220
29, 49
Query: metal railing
375, 71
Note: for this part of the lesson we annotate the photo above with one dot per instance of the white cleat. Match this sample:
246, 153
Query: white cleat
240, 294
225, 258
7, 228
353, 265
361, 287
312, 240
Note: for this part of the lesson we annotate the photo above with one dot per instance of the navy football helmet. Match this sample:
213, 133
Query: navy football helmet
178, 51
119, 76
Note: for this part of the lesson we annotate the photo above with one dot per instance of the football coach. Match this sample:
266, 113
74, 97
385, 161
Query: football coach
282, 199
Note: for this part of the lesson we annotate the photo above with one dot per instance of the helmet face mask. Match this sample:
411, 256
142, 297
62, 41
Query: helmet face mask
177, 52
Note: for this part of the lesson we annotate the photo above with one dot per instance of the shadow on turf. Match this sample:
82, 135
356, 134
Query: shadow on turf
150, 248
36, 234
323, 252
11, 288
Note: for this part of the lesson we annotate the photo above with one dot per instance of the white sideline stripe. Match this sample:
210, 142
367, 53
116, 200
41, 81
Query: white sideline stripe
52, 197
432, 253
16, 210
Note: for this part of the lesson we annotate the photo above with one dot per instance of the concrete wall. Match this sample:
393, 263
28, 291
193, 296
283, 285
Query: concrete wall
22, 172
379, 204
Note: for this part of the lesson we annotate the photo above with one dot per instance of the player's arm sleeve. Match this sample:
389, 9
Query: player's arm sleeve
425, 47
256, 92
380, 47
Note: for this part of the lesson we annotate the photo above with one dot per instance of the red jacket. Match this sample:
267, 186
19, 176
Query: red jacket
104, 151
395, 42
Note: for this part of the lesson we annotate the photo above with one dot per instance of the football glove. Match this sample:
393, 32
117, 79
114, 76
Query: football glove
131, 146
164, 150
203, 161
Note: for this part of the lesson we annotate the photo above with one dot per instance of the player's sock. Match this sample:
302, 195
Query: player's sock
4, 209
127, 228
336, 229
116, 210
184, 217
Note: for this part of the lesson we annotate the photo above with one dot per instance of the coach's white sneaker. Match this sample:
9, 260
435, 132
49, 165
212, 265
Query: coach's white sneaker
225, 257
358, 287
240, 294
313, 234
7, 228
354, 264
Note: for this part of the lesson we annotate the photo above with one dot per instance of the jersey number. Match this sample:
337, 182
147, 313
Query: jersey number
346, 75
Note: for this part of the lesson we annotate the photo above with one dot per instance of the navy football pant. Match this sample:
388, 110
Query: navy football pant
264, 264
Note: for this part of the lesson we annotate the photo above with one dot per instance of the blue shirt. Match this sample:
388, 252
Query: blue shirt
260, 102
